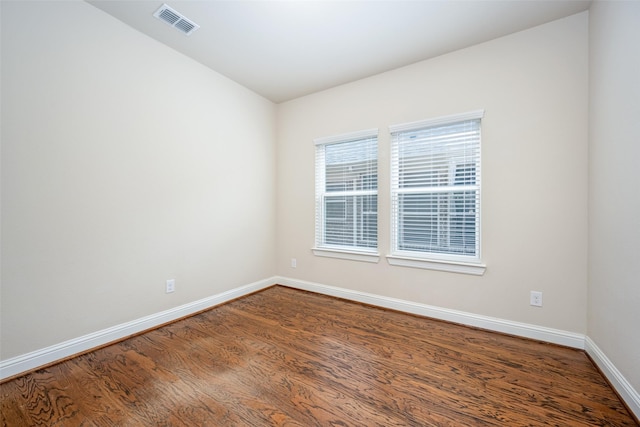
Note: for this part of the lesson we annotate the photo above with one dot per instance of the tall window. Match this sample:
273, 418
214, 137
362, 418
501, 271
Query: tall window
435, 188
347, 192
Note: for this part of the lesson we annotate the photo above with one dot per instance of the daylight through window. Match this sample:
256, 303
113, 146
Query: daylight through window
347, 192
435, 188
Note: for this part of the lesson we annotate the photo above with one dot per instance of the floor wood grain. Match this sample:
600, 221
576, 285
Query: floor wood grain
284, 357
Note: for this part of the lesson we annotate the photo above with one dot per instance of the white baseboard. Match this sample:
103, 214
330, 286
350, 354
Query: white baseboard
626, 391
569, 339
541, 333
46, 356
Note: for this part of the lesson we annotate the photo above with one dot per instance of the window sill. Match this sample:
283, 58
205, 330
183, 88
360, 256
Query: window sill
344, 254
439, 265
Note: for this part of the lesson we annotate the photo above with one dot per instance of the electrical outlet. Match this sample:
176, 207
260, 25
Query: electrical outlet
171, 286
536, 299
294, 263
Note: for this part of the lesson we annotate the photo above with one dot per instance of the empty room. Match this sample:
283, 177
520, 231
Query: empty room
331, 213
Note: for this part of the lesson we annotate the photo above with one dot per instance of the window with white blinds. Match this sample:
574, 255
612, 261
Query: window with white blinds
347, 192
435, 188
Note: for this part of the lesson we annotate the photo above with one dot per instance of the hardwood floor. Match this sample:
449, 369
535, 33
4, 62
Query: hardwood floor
291, 358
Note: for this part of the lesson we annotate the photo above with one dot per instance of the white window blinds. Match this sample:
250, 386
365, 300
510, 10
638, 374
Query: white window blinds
435, 188
347, 191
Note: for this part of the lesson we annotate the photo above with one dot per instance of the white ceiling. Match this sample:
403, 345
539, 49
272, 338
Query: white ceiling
286, 49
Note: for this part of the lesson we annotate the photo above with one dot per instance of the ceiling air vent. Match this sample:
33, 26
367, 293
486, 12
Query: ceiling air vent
176, 19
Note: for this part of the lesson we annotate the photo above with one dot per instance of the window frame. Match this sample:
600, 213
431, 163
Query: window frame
427, 259
321, 248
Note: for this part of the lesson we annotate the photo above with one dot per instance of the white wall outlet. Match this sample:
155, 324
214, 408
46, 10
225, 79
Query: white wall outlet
171, 285
536, 299
294, 263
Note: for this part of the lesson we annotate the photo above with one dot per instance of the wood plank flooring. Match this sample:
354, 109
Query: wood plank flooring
284, 357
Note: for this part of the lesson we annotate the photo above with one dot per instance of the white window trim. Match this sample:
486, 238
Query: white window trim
443, 120
473, 268
351, 255
345, 253
444, 262
346, 137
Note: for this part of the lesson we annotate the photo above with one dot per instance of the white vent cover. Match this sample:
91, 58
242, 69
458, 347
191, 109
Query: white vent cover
176, 19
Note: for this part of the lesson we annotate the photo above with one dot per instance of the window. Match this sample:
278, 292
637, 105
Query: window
347, 195
435, 191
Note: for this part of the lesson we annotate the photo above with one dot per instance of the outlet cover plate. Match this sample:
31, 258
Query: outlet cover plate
171, 286
536, 299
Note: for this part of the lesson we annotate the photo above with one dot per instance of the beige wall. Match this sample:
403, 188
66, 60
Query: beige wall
533, 87
614, 176
121, 161
124, 164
